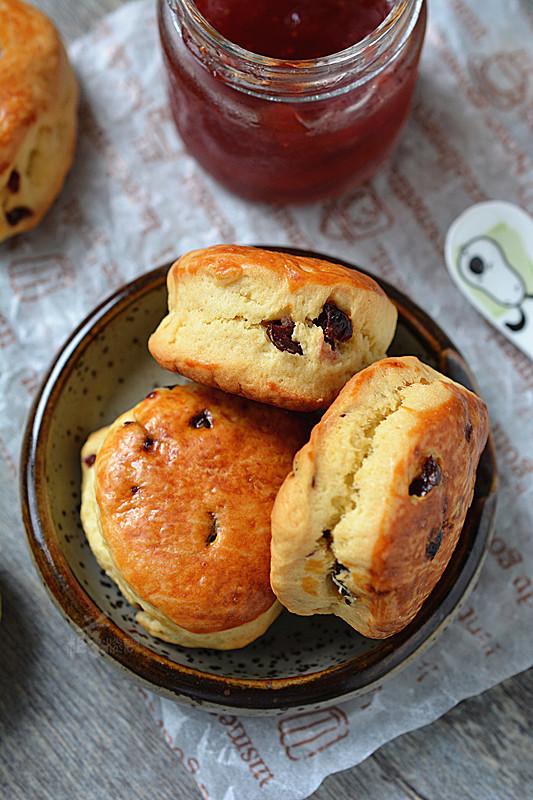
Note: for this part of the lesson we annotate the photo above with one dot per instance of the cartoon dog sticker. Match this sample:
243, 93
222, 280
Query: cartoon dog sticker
484, 265
489, 255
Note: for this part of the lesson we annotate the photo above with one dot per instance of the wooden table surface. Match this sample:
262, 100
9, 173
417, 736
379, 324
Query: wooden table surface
71, 728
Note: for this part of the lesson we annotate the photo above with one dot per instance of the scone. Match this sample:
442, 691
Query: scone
273, 327
176, 502
38, 105
367, 521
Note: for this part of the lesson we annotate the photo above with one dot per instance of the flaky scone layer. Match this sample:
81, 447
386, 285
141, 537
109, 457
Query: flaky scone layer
367, 521
223, 301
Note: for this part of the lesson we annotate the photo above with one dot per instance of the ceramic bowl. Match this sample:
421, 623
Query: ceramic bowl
105, 368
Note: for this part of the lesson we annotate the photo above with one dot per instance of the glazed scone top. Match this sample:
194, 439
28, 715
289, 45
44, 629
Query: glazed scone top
367, 521
229, 263
185, 484
32, 62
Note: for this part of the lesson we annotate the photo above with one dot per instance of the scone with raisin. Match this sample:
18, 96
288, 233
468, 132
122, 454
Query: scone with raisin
278, 328
367, 521
176, 502
38, 107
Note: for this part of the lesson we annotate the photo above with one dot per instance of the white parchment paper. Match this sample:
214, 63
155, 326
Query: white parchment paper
135, 199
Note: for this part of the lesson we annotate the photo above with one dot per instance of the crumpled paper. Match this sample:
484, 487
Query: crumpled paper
134, 199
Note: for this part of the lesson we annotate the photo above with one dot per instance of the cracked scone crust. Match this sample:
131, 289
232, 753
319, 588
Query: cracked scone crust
367, 521
38, 105
176, 503
278, 328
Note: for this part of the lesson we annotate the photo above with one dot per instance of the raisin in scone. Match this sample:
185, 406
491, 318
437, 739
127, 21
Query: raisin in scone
278, 328
367, 521
38, 107
176, 502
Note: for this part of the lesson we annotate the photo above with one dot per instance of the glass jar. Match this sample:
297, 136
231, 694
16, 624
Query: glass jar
290, 131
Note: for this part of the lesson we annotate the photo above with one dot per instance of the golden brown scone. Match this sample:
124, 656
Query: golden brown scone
367, 521
38, 103
273, 327
176, 504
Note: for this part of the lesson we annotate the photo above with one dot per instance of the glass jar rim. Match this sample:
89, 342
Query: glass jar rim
342, 56
265, 76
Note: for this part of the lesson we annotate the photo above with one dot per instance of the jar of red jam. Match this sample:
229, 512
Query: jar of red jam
291, 100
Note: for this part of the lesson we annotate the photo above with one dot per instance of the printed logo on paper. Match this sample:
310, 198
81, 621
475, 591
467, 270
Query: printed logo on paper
310, 733
502, 78
358, 215
34, 277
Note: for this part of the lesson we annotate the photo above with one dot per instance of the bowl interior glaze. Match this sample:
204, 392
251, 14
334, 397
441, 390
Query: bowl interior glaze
104, 369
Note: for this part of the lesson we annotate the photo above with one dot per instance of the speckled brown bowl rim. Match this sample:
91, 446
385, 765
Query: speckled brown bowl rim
327, 686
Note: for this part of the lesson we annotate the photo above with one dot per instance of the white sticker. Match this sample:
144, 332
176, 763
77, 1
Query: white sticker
489, 254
